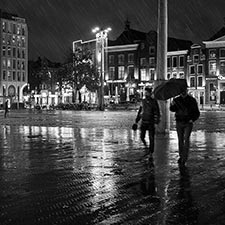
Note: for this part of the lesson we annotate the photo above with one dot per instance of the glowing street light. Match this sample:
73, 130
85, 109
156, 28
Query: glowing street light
101, 43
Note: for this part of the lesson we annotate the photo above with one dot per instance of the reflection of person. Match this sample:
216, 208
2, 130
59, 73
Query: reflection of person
186, 112
6, 108
150, 115
184, 206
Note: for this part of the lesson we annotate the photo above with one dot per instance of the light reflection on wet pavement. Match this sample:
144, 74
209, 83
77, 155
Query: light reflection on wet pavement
89, 168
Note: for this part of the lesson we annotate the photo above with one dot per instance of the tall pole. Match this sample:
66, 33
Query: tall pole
101, 44
161, 69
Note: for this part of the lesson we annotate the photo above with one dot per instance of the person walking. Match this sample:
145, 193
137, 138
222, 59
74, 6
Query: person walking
186, 113
6, 108
149, 114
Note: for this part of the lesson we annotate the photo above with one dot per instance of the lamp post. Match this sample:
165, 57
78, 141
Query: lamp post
101, 44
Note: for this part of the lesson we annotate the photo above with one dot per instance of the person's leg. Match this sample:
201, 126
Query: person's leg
151, 138
187, 133
180, 135
143, 133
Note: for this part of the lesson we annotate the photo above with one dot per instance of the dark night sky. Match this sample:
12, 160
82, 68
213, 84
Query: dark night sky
54, 24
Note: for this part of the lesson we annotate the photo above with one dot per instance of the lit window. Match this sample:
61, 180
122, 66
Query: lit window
120, 72
222, 67
3, 51
144, 76
212, 67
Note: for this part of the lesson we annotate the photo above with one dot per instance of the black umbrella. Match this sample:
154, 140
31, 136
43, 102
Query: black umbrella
170, 89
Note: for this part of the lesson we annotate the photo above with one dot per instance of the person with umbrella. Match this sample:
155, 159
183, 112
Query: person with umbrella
186, 113
149, 114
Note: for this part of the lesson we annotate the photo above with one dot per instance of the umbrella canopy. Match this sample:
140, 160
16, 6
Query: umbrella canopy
170, 89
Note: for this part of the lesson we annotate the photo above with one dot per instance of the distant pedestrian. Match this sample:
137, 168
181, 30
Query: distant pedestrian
149, 115
6, 108
186, 113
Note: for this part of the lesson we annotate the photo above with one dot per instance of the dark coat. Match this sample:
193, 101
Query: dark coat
185, 108
149, 111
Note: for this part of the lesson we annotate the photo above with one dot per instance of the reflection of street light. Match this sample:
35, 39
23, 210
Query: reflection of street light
101, 43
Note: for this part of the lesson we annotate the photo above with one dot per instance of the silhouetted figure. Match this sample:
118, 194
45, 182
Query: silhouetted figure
149, 115
186, 113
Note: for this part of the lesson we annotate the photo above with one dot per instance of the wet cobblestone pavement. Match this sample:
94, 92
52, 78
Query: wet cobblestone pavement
73, 167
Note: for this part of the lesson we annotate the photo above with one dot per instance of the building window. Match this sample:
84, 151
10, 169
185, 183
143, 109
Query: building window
196, 58
192, 69
14, 75
14, 52
200, 81
18, 29
14, 28
9, 40
23, 76
23, 42
174, 61
131, 58
23, 53
152, 62
18, 53
212, 53
111, 59
9, 51
131, 72
144, 75
9, 64
23, 65
222, 53
23, 30
111, 73
152, 74
3, 51
18, 76
181, 74
152, 50
9, 75
18, 41
168, 76
14, 40
14, 64
18, 64
4, 63
168, 62
181, 61
121, 59
192, 81
200, 69
174, 75
3, 75
143, 61
212, 67
4, 26
222, 67
121, 72
142, 46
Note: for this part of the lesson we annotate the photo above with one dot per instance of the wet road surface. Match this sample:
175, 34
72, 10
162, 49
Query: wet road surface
70, 167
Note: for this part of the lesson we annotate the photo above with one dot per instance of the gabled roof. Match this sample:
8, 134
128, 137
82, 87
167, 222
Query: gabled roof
129, 36
218, 34
175, 44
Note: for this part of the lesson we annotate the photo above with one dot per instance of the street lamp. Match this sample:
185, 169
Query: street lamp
101, 44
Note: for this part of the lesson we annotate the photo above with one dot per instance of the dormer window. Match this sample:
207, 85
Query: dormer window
212, 53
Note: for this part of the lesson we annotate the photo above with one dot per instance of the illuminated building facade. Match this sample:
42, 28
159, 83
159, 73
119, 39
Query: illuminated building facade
13, 57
